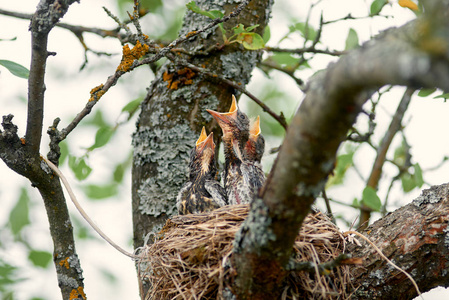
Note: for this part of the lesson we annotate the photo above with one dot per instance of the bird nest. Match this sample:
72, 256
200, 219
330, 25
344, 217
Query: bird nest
189, 258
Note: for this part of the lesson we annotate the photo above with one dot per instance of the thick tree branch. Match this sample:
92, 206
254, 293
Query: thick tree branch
17, 156
48, 13
334, 98
415, 238
376, 172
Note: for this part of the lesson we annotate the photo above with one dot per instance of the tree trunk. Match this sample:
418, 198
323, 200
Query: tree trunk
174, 112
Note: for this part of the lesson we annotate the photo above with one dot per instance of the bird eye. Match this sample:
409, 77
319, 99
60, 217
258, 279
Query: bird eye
242, 116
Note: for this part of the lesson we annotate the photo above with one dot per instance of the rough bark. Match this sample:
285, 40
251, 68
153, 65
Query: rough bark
333, 100
415, 237
174, 112
22, 155
18, 156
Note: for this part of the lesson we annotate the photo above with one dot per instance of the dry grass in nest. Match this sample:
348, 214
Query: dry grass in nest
187, 260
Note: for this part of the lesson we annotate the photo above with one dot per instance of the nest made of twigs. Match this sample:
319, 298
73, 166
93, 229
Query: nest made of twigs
187, 260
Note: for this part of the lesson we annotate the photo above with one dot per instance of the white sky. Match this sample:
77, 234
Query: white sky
68, 91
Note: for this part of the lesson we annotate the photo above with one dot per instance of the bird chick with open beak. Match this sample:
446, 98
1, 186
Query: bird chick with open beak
202, 193
235, 127
252, 156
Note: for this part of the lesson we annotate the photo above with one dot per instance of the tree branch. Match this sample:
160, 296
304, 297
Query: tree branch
17, 155
415, 238
44, 19
376, 172
334, 98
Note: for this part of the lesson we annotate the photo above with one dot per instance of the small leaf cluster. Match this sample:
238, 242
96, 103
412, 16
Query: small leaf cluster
244, 36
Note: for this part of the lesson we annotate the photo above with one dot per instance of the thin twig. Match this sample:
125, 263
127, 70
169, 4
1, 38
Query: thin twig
350, 17
215, 77
323, 268
305, 50
386, 258
290, 71
83, 213
328, 206
112, 80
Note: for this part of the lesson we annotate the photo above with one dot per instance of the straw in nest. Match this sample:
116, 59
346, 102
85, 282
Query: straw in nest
187, 260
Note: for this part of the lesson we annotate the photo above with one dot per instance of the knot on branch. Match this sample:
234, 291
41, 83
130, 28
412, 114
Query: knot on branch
55, 138
10, 130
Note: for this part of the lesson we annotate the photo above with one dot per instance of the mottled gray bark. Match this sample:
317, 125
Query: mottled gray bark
174, 112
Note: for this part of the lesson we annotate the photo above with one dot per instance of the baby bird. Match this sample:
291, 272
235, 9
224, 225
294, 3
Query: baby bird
252, 155
202, 193
235, 126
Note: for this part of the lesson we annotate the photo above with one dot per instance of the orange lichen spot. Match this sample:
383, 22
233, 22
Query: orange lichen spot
64, 263
239, 83
167, 76
96, 93
22, 140
181, 77
174, 85
168, 115
74, 294
191, 33
81, 292
145, 37
129, 55
408, 4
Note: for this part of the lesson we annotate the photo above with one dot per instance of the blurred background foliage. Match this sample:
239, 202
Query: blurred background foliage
97, 157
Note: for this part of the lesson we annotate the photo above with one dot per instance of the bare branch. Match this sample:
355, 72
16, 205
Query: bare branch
376, 172
311, 49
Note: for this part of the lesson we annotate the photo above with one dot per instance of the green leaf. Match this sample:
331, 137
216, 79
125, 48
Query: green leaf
408, 182
132, 107
370, 198
307, 32
64, 152
103, 136
119, 172
40, 258
426, 92
419, 180
401, 154
15, 68
97, 120
377, 6
79, 167
251, 28
284, 59
239, 29
7, 274
100, 191
213, 14
445, 96
344, 162
19, 215
266, 34
251, 40
352, 40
